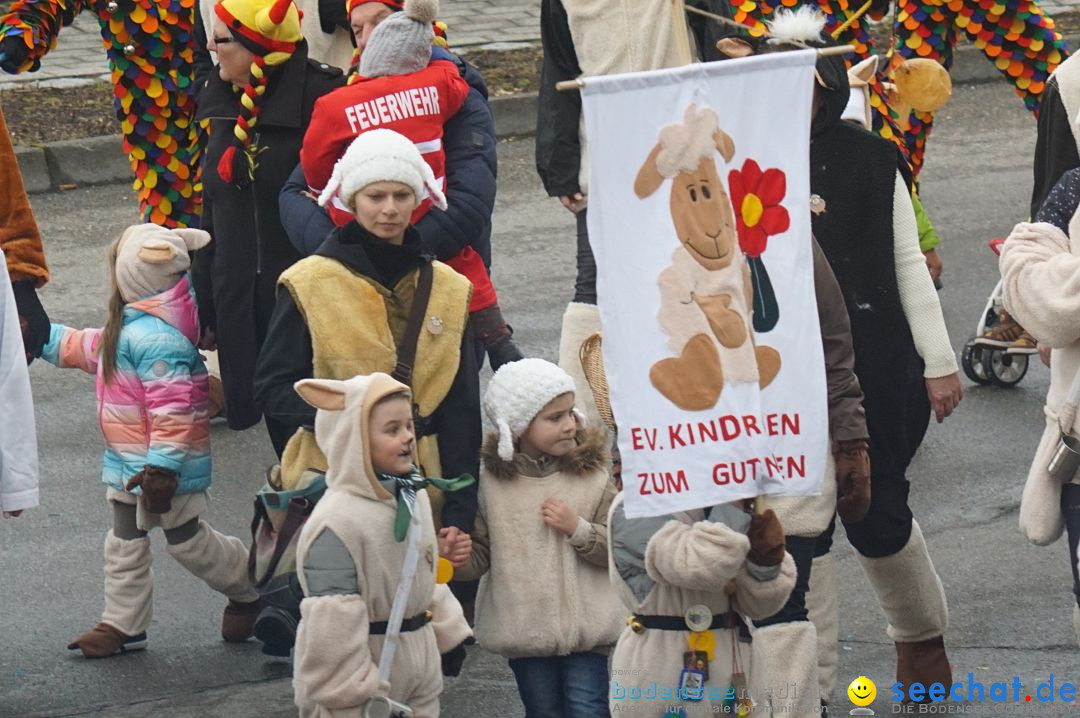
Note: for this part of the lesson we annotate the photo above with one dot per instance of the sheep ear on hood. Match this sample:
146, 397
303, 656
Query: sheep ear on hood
193, 238
328, 394
156, 251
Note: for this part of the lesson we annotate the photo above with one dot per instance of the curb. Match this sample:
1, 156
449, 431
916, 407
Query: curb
98, 160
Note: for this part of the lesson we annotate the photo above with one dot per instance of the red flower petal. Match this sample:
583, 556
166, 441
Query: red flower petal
774, 220
751, 175
753, 241
737, 189
773, 186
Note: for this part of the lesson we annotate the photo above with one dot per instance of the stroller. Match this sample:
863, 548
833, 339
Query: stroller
986, 363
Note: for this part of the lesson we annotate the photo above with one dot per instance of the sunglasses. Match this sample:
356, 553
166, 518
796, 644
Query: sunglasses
223, 40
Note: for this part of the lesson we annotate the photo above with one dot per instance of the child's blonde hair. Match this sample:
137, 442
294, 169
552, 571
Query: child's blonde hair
114, 319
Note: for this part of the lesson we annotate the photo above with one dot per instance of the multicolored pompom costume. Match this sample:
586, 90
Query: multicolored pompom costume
149, 45
1013, 34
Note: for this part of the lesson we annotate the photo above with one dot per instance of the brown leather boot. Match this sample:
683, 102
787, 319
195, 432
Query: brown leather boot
923, 662
104, 640
238, 621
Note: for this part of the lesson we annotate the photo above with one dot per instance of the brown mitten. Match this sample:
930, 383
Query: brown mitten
158, 488
852, 479
766, 539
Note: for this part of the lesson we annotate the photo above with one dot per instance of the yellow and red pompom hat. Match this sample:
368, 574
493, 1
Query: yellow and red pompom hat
271, 30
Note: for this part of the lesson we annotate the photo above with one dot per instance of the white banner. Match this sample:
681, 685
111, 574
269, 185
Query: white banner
699, 219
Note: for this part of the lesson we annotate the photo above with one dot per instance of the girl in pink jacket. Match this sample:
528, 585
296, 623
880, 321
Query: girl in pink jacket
152, 394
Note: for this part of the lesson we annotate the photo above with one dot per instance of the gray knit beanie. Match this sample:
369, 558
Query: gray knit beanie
401, 43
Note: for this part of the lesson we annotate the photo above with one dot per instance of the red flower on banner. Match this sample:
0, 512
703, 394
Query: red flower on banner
756, 196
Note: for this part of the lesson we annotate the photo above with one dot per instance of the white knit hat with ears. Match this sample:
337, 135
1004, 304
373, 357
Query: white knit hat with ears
518, 392
382, 156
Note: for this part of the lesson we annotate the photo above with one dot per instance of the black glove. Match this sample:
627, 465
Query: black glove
453, 660
32, 318
15, 52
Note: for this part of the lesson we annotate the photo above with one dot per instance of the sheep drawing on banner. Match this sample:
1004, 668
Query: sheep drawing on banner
706, 294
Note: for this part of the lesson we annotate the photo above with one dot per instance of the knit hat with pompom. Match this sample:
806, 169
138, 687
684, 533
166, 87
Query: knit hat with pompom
401, 43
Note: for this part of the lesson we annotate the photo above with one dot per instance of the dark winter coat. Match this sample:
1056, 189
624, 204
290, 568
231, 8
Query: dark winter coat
1055, 147
236, 275
471, 165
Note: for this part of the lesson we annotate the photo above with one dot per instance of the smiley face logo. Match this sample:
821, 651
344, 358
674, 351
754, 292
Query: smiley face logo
862, 691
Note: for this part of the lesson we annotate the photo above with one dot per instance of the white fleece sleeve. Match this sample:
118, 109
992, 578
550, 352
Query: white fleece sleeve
917, 294
1041, 283
332, 663
702, 556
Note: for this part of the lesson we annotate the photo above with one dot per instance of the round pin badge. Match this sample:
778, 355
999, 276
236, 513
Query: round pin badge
698, 618
435, 325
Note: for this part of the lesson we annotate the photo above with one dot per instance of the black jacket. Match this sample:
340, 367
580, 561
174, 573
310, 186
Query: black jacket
236, 274
471, 166
286, 358
1055, 146
854, 172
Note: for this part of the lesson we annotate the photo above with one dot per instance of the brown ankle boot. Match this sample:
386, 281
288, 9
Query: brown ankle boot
238, 621
104, 640
923, 662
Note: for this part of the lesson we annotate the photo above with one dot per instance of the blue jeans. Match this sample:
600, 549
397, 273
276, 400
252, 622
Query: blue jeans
573, 686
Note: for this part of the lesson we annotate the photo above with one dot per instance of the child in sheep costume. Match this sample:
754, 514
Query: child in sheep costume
349, 565
1040, 268
152, 394
719, 561
544, 600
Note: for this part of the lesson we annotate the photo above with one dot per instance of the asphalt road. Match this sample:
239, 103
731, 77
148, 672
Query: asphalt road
1009, 601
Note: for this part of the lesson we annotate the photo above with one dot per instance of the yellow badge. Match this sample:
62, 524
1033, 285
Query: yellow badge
444, 571
703, 641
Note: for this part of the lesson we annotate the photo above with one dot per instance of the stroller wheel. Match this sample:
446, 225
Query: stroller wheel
974, 363
1006, 369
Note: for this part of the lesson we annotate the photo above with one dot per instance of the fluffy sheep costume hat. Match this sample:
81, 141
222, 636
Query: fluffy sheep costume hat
151, 259
341, 428
382, 156
401, 43
517, 393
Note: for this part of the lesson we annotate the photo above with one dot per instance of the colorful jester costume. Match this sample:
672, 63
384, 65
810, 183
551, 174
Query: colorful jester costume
149, 46
1013, 34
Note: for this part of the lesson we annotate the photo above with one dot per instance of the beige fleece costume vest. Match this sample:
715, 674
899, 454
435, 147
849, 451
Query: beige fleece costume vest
359, 336
336, 658
540, 597
614, 36
691, 562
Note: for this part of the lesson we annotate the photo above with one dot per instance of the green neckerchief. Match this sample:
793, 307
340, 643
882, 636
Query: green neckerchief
407, 487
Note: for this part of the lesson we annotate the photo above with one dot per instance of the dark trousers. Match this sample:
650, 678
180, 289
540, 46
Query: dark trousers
803, 550
585, 285
1070, 509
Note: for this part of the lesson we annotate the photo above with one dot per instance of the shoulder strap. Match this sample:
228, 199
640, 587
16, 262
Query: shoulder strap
407, 351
